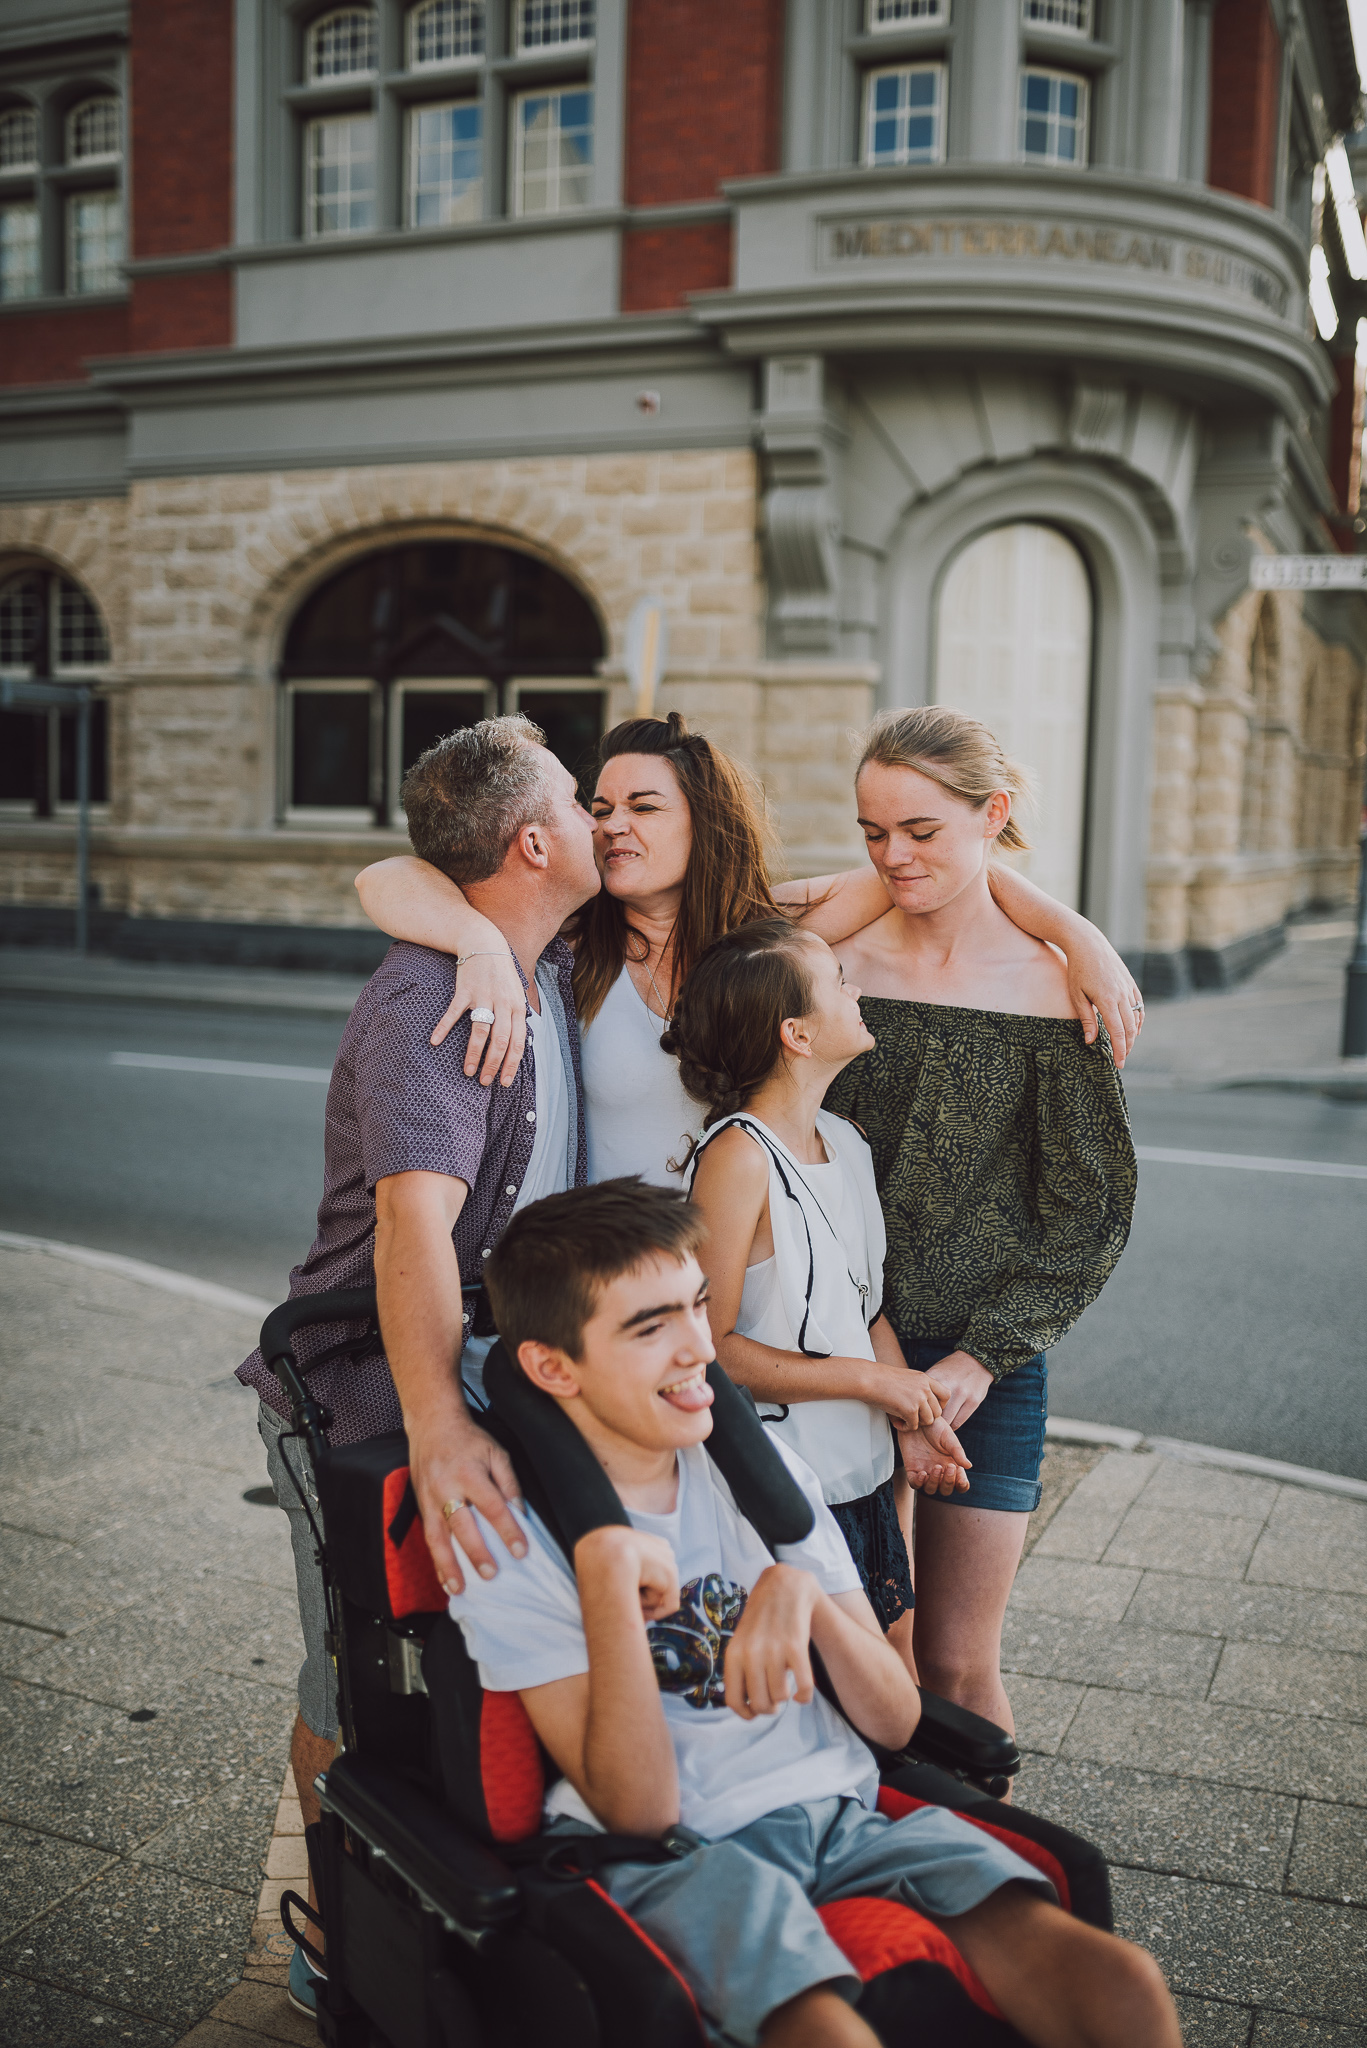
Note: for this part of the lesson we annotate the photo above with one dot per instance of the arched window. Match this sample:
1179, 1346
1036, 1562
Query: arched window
341, 44
49, 631
445, 31
1014, 648
414, 641
93, 132
18, 139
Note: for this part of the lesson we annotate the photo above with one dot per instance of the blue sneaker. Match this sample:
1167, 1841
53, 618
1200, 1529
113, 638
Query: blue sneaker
303, 1985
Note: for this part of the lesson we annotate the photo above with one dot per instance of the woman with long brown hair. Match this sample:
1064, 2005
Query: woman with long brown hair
684, 850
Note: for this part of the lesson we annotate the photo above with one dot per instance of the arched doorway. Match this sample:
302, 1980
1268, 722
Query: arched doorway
411, 642
50, 631
1014, 648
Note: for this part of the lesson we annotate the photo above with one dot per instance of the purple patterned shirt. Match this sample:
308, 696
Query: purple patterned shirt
397, 1104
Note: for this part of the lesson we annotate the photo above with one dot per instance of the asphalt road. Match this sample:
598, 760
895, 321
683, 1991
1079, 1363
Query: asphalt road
1237, 1316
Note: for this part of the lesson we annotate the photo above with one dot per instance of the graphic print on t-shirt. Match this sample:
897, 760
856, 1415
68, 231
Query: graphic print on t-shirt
688, 1647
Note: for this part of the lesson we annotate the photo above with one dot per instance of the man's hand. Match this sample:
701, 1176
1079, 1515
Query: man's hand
614, 1552
455, 1460
768, 1659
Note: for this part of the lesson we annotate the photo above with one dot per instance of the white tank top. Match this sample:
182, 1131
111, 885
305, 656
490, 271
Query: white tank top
818, 1293
638, 1113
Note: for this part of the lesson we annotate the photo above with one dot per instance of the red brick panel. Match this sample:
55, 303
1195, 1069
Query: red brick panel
703, 96
50, 347
1245, 87
190, 310
660, 266
182, 69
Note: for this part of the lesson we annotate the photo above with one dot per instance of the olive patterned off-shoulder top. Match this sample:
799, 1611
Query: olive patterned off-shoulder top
1005, 1168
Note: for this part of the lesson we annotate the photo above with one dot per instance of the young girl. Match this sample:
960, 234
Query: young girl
763, 1025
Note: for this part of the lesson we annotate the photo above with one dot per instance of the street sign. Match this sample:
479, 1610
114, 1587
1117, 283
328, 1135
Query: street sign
1308, 572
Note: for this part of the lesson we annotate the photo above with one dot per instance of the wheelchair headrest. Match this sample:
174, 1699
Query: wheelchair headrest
571, 1492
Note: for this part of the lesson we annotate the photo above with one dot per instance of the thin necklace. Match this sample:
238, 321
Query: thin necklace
663, 1011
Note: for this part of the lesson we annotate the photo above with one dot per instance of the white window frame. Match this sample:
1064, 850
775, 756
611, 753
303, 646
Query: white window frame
1052, 17
327, 817
904, 14
312, 36
428, 686
101, 156
25, 205
90, 671
476, 185
312, 201
471, 58
581, 41
517, 181
113, 202
561, 686
1083, 123
940, 71
24, 165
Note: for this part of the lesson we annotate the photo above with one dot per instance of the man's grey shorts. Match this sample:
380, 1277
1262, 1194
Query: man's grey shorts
738, 1917
318, 1672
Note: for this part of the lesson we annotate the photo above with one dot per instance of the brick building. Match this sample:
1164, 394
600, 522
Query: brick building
362, 366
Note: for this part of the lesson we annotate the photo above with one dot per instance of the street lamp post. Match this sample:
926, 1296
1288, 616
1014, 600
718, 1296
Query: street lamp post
20, 693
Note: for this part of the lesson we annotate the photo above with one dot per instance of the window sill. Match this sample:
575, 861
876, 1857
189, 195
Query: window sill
1068, 53
587, 217
931, 39
70, 302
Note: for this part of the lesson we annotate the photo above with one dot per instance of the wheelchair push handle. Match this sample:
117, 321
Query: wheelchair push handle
334, 1305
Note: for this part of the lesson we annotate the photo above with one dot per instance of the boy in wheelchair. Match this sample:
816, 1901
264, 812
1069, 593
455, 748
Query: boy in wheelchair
672, 1675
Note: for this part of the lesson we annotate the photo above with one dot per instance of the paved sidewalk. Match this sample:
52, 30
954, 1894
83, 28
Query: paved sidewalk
46, 971
1280, 1028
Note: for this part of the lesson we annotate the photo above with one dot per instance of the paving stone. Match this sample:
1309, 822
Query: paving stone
1285, 1753
1043, 1708
1329, 1858
40, 2016
37, 1869
1063, 1466
1173, 1539
1206, 1490
265, 2010
17, 1644
1284, 2030
1208, 2025
1098, 1653
54, 1585
223, 1839
86, 1771
219, 2034
161, 1944
1240, 1945
1089, 1518
1172, 1824
1313, 1539
1064, 1585
152, 1654
287, 1857
1240, 1612
1295, 1681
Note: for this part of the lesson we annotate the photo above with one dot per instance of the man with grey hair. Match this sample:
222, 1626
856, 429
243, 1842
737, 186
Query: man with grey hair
423, 1168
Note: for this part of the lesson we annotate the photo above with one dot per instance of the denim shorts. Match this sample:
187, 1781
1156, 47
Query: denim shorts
1004, 1436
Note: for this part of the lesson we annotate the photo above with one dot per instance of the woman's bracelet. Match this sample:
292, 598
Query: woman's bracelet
461, 958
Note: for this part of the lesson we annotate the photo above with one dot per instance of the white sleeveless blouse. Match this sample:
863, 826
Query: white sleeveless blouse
817, 1294
638, 1114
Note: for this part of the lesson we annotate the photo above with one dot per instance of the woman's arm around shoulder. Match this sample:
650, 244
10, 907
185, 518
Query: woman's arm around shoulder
1098, 978
835, 907
410, 899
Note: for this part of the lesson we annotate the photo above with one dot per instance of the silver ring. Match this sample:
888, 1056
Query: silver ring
1138, 1009
481, 1016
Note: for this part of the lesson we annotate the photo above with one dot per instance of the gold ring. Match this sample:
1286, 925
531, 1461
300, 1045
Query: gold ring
452, 1507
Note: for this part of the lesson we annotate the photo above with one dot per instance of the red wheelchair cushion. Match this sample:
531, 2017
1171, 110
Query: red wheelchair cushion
510, 1768
897, 1804
411, 1582
879, 1934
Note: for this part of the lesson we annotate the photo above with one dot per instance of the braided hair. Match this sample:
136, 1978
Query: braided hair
730, 1011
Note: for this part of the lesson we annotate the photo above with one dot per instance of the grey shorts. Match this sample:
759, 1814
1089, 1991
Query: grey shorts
738, 1917
318, 1672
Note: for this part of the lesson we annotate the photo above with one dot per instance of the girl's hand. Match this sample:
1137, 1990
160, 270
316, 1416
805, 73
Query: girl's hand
490, 981
963, 1385
927, 1467
1098, 979
911, 1400
928, 1397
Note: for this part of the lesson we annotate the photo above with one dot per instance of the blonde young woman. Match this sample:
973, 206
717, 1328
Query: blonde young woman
683, 850
1002, 1153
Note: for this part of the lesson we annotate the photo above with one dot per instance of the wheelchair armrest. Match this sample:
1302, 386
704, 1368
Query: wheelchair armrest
958, 1740
450, 1871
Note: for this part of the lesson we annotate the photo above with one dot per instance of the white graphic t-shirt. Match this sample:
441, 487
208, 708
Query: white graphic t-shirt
524, 1628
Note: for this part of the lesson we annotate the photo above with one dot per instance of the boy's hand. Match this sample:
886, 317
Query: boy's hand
628, 1556
768, 1659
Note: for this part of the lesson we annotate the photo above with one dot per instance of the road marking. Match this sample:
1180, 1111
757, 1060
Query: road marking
248, 1070
1330, 1169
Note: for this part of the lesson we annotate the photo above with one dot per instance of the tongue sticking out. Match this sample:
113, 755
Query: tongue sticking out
693, 1395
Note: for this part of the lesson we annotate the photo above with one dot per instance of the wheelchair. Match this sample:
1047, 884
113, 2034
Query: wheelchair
451, 1920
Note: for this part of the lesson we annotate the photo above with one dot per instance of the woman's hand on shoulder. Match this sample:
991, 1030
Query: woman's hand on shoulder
489, 981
